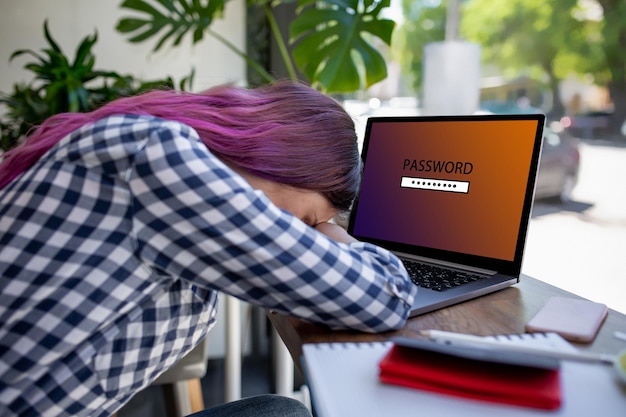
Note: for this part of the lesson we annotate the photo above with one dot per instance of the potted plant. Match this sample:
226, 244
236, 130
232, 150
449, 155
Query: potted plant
62, 85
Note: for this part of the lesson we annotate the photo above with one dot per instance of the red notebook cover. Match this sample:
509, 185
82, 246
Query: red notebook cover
469, 378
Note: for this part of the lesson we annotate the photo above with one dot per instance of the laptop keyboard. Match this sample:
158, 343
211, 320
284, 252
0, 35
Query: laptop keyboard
436, 277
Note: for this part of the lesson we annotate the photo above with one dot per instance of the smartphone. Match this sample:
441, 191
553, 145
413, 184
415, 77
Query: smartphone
576, 320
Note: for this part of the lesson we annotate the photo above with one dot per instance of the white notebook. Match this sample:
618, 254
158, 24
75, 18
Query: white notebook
343, 379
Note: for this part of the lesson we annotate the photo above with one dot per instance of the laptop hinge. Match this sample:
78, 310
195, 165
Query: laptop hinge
446, 264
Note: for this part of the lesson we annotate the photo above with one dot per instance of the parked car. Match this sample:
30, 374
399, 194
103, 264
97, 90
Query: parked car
559, 165
588, 125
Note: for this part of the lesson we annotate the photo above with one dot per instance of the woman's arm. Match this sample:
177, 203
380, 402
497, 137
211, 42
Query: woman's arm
198, 220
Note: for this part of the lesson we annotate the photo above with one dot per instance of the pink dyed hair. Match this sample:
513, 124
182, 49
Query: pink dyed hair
285, 132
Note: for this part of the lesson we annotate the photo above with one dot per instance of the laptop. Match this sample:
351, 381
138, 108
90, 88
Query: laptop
452, 193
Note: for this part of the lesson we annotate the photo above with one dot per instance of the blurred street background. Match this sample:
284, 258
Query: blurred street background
580, 245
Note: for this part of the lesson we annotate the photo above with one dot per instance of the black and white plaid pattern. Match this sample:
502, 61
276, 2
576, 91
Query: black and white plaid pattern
112, 248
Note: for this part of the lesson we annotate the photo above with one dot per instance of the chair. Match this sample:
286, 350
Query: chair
181, 383
183, 391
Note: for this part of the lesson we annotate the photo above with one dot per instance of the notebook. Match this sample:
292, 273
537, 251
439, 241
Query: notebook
344, 379
475, 379
451, 191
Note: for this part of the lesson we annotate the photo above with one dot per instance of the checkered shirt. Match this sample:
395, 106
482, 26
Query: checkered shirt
113, 248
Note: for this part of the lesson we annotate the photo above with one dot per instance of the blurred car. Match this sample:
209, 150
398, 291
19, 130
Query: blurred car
588, 125
520, 106
559, 165
560, 156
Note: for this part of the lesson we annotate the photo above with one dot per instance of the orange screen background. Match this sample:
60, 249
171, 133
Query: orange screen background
483, 222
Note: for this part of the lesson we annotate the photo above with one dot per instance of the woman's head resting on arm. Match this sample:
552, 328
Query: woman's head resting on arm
286, 133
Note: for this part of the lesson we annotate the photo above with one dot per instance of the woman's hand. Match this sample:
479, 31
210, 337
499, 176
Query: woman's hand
335, 232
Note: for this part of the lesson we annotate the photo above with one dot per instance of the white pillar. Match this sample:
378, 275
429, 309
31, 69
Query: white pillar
451, 78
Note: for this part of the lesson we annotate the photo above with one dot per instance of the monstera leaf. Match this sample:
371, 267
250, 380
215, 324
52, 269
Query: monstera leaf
175, 17
330, 42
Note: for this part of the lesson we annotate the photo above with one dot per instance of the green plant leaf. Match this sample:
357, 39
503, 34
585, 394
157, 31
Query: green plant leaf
148, 33
187, 8
374, 61
129, 24
331, 47
73, 102
198, 34
179, 37
82, 96
166, 36
178, 18
84, 56
25, 51
142, 6
49, 38
169, 5
187, 82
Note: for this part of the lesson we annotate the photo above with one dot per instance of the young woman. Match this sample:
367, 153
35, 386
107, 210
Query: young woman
119, 227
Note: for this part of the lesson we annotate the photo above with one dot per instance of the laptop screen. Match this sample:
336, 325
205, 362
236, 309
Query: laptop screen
453, 187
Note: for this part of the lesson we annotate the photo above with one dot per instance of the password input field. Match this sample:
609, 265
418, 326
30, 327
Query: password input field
435, 184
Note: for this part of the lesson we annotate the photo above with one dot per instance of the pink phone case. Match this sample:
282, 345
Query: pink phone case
574, 319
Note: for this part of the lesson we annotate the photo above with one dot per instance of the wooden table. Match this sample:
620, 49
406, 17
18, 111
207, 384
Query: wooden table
503, 312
